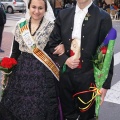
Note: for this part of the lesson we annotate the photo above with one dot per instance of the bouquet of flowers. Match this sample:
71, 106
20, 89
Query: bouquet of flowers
101, 62
6, 66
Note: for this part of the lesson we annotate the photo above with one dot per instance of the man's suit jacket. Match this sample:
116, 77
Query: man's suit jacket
94, 30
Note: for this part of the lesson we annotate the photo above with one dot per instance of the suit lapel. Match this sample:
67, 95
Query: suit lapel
90, 16
71, 22
87, 24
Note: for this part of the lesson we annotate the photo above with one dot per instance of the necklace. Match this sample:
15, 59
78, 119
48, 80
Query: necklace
37, 27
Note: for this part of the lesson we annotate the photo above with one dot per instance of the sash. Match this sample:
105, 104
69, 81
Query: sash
38, 53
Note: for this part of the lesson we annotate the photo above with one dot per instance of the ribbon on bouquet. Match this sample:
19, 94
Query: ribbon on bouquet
95, 91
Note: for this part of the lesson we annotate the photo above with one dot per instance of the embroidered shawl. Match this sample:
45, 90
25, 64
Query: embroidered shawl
41, 37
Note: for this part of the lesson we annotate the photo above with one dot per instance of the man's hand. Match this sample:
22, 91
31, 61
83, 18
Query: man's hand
70, 62
103, 94
59, 49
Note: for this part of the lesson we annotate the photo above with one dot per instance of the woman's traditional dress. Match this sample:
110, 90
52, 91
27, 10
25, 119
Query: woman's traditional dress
31, 93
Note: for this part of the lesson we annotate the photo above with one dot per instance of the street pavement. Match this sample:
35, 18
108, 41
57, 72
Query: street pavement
8, 32
110, 110
6, 44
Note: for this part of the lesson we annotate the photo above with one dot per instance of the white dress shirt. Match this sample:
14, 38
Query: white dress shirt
78, 20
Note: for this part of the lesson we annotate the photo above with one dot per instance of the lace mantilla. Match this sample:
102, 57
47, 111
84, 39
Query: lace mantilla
41, 37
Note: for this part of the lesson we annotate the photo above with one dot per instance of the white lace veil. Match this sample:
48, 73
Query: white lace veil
49, 15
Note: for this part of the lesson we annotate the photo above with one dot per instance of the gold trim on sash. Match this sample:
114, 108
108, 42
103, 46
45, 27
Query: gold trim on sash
39, 54
47, 61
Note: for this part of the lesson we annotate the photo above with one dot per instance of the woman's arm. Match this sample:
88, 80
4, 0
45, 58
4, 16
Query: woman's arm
59, 50
15, 50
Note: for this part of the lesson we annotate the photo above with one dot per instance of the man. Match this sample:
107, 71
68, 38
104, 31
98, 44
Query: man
56, 5
96, 2
90, 25
2, 22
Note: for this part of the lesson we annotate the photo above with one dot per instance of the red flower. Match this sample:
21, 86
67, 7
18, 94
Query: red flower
71, 53
103, 50
8, 62
6, 66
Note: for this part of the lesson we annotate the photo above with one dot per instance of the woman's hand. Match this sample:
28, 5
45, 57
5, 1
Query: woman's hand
59, 49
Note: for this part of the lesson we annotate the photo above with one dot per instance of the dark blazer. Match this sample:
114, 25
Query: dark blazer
2, 17
93, 33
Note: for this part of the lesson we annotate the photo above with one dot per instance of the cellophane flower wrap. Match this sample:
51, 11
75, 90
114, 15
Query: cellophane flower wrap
6, 66
101, 63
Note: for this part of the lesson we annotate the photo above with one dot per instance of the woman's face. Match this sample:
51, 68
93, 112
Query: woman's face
37, 9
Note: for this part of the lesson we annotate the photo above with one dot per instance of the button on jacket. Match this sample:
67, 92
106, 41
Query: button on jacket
94, 30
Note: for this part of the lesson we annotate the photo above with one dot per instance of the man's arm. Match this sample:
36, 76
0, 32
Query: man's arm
55, 40
105, 28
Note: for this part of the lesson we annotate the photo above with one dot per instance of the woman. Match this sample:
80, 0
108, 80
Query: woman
31, 93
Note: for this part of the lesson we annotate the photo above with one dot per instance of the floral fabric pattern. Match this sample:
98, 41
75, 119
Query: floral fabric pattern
31, 91
41, 37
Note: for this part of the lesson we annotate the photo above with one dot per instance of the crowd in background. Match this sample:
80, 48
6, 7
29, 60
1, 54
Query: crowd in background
113, 6
63, 4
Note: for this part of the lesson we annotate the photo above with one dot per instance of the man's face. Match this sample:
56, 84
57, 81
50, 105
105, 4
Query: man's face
83, 2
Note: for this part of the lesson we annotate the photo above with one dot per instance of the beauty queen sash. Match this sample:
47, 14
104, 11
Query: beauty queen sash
39, 54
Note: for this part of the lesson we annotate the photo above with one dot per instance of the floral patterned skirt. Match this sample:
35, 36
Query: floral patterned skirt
31, 93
